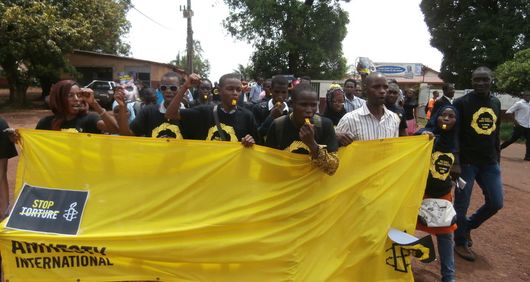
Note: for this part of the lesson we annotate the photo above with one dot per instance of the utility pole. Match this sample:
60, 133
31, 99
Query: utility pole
188, 13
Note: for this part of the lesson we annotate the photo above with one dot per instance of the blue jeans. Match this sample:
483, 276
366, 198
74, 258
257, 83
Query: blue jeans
489, 179
447, 258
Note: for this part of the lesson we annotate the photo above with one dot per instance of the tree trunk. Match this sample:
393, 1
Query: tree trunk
12, 93
11, 81
21, 90
46, 84
17, 85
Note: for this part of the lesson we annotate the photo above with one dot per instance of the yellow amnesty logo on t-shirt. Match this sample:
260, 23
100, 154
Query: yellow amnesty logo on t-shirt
73, 130
441, 165
167, 130
230, 133
484, 121
298, 147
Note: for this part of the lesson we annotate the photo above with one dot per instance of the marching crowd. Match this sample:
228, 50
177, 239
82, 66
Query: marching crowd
276, 114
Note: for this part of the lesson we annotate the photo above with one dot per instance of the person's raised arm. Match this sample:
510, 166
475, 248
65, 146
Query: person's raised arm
172, 111
108, 122
123, 119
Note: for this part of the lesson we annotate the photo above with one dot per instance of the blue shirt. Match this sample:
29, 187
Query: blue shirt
254, 93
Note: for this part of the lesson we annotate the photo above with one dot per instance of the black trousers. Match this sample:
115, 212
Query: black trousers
519, 132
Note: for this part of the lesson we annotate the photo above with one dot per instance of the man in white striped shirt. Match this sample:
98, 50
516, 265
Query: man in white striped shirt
373, 120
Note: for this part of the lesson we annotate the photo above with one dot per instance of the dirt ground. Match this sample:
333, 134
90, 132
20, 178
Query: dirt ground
502, 244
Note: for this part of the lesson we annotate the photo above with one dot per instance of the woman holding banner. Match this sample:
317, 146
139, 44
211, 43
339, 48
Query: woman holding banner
437, 215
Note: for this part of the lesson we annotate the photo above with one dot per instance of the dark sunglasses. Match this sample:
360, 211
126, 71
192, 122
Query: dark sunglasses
171, 87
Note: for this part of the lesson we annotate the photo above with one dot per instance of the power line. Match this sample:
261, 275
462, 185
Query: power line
151, 19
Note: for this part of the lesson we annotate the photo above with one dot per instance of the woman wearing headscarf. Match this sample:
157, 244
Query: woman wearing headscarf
443, 126
335, 105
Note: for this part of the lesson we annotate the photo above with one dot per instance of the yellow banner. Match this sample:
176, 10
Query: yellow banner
183, 210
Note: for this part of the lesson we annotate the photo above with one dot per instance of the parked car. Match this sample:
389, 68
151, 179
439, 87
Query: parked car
103, 92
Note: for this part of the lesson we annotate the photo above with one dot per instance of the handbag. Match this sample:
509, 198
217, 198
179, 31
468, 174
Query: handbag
437, 213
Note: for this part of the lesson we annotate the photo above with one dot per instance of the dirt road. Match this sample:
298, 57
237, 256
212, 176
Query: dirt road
502, 244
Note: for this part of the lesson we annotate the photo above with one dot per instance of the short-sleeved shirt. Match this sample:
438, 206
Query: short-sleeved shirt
283, 135
198, 123
480, 122
151, 122
363, 125
398, 110
7, 148
85, 123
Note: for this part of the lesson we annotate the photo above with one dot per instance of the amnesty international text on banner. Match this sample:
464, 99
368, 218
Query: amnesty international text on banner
184, 210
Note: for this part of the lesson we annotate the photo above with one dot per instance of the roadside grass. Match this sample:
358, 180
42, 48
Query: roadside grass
506, 131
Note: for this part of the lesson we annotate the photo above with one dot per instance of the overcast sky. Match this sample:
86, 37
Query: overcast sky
383, 30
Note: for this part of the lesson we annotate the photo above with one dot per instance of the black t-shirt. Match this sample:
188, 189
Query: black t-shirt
401, 113
409, 110
150, 122
334, 116
198, 123
283, 135
86, 123
263, 119
196, 103
479, 128
7, 148
439, 181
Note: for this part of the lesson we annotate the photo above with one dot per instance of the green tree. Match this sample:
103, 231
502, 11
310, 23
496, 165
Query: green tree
513, 76
290, 37
35, 36
246, 72
470, 33
201, 65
